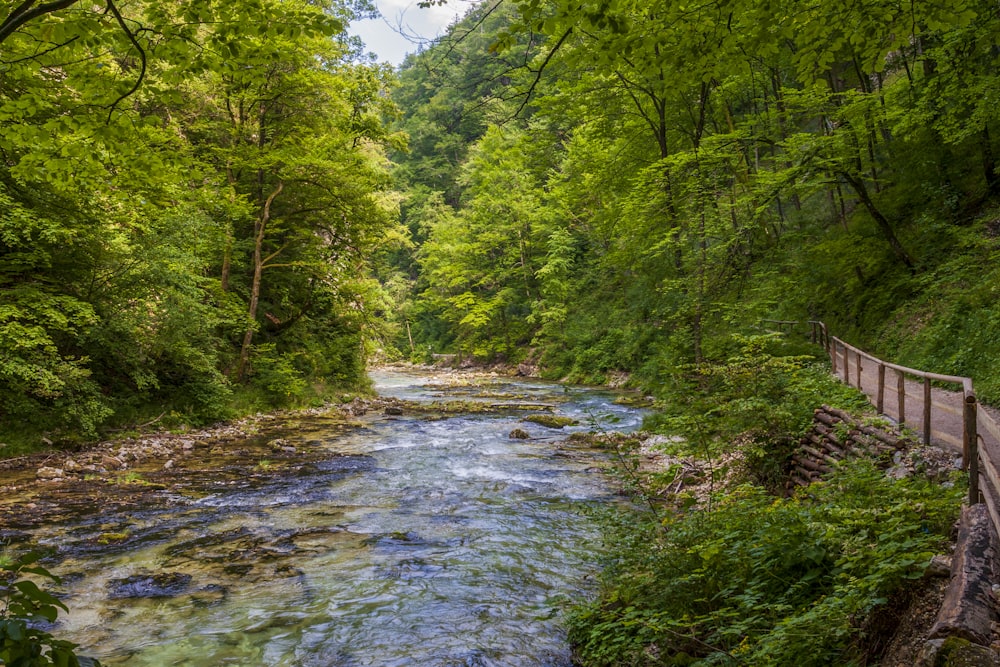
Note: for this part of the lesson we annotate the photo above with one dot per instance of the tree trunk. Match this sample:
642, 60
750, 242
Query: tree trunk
989, 163
967, 609
883, 223
260, 229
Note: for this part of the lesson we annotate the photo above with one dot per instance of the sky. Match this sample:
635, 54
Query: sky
404, 26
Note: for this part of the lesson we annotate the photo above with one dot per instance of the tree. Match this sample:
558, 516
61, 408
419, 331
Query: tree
139, 258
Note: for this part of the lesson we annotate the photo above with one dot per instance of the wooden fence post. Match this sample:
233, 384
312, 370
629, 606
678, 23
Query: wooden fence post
927, 411
833, 357
858, 359
970, 446
880, 403
847, 366
901, 396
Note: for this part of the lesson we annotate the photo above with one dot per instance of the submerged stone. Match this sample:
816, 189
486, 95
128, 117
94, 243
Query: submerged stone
210, 595
159, 585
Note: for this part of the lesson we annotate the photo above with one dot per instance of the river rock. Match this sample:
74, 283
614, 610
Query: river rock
551, 421
111, 463
519, 434
393, 410
72, 466
210, 595
45, 472
169, 465
956, 652
159, 585
278, 444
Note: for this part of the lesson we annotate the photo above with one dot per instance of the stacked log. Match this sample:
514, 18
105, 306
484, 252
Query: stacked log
837, 435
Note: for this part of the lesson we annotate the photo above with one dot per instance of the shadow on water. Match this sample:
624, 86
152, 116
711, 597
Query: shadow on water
407, 541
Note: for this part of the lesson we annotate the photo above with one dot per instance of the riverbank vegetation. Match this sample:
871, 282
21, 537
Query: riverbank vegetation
190, 193
725, 562
820, 578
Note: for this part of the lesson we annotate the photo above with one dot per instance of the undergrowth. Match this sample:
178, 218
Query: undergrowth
752, 578
761, 580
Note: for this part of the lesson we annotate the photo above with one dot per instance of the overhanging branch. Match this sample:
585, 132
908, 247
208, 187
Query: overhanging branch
28, 11
142, 57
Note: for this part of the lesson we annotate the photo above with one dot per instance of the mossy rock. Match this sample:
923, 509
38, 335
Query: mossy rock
957, 652
635, 401
550, 421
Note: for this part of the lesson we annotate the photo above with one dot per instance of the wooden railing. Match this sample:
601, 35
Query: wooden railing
951, 419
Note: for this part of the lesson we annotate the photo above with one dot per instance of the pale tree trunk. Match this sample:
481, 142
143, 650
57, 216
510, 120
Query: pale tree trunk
260, 229
227, 260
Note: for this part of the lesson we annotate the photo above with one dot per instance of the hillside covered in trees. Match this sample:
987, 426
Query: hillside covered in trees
200, 202
210, 209
189, 198
605, 187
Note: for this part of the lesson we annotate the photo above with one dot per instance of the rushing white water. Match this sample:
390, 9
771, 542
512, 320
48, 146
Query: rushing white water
416, 542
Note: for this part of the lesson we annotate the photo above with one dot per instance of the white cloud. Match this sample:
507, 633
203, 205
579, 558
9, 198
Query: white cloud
404, 26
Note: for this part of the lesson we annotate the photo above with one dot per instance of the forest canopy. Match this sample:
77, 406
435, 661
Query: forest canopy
213, 207
189, 191
606, 187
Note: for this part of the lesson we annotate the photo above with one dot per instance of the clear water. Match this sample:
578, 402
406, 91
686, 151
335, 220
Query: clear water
416, 542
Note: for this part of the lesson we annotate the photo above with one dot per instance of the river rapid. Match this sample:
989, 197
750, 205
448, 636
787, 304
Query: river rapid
406, 540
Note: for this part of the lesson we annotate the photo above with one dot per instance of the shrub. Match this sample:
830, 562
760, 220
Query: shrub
762, 580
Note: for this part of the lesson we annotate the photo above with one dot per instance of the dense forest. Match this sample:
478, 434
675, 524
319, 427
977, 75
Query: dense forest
619, 186
190, 193
211, 209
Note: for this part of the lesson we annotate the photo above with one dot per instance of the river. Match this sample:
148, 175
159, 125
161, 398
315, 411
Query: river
409, 541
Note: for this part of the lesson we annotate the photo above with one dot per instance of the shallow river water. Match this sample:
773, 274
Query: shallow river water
417, 541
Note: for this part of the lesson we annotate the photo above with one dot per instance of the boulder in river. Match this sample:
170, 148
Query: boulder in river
551, 421
158, 585
45, 472
519, 434
111, 463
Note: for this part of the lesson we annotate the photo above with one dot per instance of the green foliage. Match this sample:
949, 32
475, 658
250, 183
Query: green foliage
140, 254
757, 393
763, 580
277, 375
954, 325
679, 173
23, 607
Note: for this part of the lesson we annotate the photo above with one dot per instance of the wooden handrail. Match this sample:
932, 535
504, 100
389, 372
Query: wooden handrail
982, 473
966, 383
